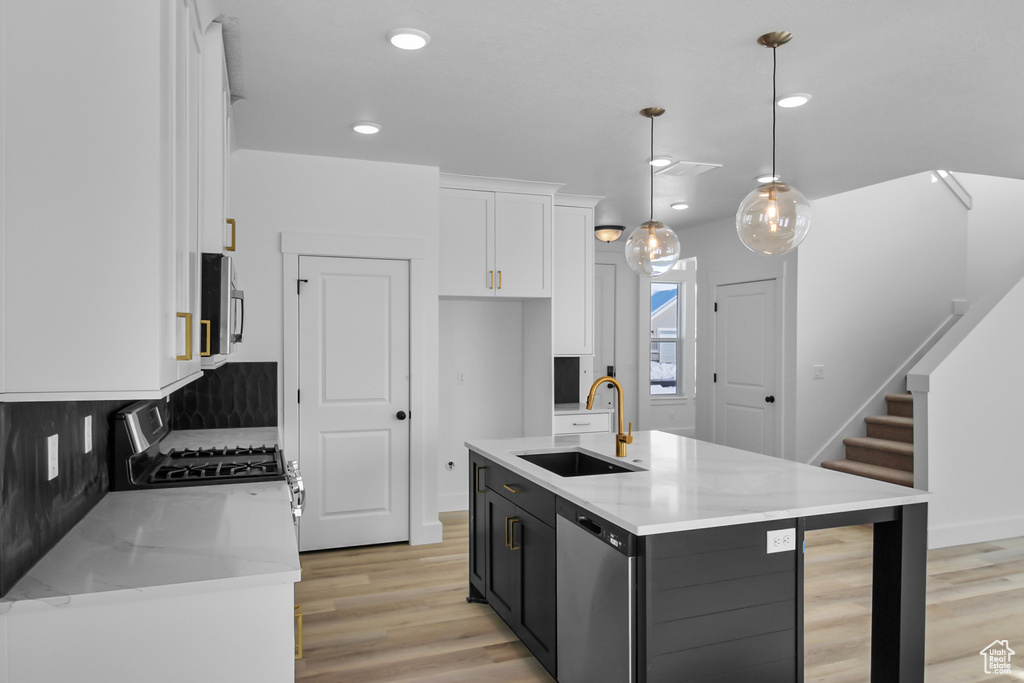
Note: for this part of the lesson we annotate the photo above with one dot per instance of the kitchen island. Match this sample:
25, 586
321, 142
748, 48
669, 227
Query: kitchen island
714, 542
169, 585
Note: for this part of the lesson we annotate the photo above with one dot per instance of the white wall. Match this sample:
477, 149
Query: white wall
973, 435
995, 230
483, 340
878, 272
273, 193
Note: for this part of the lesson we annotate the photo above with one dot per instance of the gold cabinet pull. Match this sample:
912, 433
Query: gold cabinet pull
491, 286
512, 533
499, 279
188, 337
478, 470
508, 543
231, 222
298, 631
207, 351
513, 489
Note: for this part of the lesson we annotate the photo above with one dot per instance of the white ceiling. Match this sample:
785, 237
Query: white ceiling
550, 90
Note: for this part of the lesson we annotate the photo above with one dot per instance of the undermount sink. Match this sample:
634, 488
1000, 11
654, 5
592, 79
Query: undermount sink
573, 464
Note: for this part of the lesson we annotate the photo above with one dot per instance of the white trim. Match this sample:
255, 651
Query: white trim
974, 532
455, 181
111, 395
579, 201
352, 246
424, 526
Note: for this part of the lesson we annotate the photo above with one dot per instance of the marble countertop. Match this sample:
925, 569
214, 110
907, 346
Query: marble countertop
580, 408
161, 541
221, 438
688, 484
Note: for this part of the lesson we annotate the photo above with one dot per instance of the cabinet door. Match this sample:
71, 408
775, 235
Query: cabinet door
572, 293
215, 233
522, 245
500, 562
477, 524
466, 255
187, 146
535, 558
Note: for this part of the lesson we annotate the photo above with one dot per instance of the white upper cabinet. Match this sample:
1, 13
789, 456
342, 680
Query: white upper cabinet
218, 234
495, 237
102, 199
572, 296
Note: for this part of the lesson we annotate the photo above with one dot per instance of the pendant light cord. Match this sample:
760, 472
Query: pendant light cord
652, 168
775, 67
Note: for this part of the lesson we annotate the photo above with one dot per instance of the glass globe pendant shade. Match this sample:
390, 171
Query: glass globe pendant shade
652, 249
773, 219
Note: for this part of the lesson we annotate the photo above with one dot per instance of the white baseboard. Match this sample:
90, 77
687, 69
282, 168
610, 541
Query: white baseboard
946, 535
452, 502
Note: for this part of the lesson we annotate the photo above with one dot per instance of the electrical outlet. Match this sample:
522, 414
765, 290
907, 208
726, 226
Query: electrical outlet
87, 429
781, 540
450, 465
460, 377
819, 371
51, 457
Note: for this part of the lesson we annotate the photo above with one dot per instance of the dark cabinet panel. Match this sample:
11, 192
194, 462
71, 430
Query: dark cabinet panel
477, 526
501, 574
536, 562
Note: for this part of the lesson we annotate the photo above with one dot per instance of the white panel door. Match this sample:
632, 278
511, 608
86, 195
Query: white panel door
572, 293
354, 401
745, 412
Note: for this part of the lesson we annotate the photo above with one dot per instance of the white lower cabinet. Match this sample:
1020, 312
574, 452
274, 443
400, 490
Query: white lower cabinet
101, 198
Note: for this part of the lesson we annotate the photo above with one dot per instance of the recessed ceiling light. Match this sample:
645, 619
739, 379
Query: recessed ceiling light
797, 99
766, 178
679, 206
408, 38
366, 128
659, 162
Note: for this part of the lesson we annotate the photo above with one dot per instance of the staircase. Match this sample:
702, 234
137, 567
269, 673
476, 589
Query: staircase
887, 452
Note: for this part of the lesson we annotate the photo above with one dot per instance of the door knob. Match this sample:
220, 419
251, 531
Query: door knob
400, 414
769, 399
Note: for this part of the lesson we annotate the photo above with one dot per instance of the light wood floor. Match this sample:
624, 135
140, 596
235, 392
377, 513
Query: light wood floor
398, 613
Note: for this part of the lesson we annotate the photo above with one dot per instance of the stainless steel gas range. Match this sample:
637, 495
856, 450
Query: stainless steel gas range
142, 462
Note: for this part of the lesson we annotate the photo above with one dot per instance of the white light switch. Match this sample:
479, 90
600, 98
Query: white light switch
819, 371
87, 428
51, 457
781, 540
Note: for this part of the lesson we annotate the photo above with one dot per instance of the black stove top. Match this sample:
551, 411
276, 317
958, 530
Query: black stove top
218, 464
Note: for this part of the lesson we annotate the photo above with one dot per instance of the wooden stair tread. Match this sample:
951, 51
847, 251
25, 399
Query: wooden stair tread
899, 398
897, 447
891, 420
863, 469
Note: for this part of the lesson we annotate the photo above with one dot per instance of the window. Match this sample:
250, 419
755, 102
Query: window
667, 344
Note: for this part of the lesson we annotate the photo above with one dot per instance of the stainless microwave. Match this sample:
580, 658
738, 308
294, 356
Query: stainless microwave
223, 307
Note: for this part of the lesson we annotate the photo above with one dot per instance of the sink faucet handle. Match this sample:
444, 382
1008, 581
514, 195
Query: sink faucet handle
629, 437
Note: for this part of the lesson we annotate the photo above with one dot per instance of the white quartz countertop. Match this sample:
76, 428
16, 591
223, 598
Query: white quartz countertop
689, 484
186, 538
220, 438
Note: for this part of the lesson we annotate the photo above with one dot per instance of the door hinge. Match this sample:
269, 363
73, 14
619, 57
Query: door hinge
298, 285
714, 378
716, 307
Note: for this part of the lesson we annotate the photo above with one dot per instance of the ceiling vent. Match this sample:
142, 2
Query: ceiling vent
687, 168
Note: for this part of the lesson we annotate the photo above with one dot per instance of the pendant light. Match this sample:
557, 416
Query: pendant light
774, 218
652, 249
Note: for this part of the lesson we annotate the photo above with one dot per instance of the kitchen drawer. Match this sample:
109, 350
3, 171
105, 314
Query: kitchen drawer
531, 497
576, 423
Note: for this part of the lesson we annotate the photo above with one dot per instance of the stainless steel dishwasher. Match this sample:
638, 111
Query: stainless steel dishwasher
596, 598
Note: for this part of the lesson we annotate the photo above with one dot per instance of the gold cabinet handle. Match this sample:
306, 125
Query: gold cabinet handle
512, 533
478, 470
513, 489
499, 279
188, 337
231, 222
298, 631
207, 351
508, 543
491, 286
